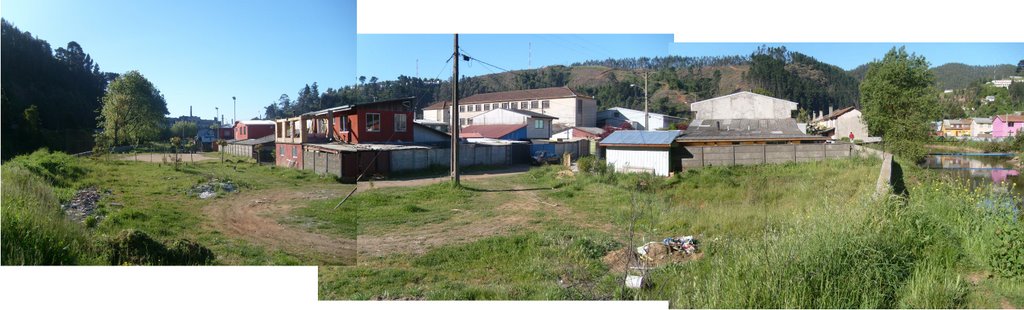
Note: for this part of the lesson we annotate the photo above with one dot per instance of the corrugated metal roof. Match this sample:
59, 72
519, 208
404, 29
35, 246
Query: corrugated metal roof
641, 137
260, 140
744, 129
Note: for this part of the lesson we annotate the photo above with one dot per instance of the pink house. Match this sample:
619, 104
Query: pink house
1007, 125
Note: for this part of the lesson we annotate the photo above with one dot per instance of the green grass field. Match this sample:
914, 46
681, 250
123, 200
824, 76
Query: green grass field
155, 199
783, 236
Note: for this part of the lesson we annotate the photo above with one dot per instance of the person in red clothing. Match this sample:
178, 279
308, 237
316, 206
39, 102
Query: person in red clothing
851, 136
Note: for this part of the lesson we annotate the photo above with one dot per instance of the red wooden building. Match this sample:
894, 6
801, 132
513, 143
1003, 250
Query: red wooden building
253, 129
389, 121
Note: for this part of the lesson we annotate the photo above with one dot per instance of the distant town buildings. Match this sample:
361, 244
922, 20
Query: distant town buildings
569, 107
615, 117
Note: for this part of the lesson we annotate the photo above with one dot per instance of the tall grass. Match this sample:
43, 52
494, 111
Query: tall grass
34, 229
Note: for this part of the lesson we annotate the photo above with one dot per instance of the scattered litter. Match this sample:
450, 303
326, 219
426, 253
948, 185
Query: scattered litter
82, 205
210, 189
653, 254
633, 281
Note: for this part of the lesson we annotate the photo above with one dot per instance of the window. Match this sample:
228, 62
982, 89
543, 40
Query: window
373, 122
533, 104
280, 151
400, 122
469, 121
462, 108
538, 124
295, 152
546, 104
487, 106
504, 105
523, 105
479, 107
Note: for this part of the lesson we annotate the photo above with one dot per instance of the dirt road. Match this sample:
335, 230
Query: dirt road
514, 170
523, 211
253, 216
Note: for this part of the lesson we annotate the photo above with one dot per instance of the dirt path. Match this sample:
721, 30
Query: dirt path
363, 186
253, 216
469, 225
159, 157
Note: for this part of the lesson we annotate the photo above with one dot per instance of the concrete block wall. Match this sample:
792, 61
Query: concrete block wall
469, 155
704, 156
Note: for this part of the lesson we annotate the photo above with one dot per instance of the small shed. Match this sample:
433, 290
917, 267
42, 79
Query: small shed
653, 152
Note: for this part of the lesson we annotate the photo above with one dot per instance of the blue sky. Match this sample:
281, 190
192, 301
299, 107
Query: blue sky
387, 56
201, 53
851, 55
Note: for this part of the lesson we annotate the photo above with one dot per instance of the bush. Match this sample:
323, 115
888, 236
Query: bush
1008, 258
590, 164
57, 168
134, 247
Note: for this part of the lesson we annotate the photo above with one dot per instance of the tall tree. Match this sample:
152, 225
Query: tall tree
133, 110
899, 102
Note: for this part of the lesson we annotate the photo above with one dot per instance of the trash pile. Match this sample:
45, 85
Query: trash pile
210, 189
82, 205
671, 250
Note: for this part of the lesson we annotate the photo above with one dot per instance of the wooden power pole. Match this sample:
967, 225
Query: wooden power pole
455, 114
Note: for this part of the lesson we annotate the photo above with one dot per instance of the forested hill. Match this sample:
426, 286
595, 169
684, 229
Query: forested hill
49, 98
958, 76
673, 83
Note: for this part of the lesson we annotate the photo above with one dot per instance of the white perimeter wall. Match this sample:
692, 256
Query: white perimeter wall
636, 159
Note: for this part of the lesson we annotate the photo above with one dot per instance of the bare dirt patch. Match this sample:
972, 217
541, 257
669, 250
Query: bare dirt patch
659, 255
253, 216
168, 157
521, 212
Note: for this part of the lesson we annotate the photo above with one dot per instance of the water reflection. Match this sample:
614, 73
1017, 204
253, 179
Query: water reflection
995, 170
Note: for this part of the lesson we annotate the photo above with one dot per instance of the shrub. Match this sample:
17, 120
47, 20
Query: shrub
134, 247
57, 168
1008, 258
590, 164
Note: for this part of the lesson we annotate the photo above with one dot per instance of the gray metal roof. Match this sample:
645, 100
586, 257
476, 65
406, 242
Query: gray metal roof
261, 140
532, 114
641, 137
743, 129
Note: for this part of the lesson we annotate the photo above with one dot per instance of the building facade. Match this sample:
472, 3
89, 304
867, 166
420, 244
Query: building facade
1007, 125
252, 129
981, 127
615, 117
743, 105
538, 126
569, 107
956, 127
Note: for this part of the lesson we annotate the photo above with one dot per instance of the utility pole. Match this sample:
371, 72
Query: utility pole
234, 113
455, 114
646, 117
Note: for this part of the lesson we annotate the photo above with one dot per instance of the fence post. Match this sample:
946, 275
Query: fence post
764, 153
733, 155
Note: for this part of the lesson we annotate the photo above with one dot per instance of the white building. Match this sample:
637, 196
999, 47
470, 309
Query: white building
569, 107
981, 127
538, 126
616, 116
743, 105
653, 152
844, 122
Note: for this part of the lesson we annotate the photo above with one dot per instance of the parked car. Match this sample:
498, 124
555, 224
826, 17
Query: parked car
544, 157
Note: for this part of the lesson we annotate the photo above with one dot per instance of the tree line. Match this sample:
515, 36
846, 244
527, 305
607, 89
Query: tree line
50, 98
